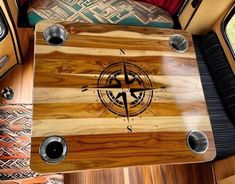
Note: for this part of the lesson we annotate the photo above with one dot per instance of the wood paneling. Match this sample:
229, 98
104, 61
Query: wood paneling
157, 174
7, 50
186, 15
229, 180
11, 25
25, 35
225, 170
21, 36
206, 15
20, 79
98, 131
227, 51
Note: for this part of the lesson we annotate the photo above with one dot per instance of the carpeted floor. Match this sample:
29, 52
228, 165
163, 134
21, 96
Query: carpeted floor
15, 132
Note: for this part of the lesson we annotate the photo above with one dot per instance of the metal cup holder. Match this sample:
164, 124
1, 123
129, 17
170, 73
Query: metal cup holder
53, 149
178, 43
55, 35
197, 142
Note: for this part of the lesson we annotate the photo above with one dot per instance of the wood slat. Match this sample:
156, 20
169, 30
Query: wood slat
109, 150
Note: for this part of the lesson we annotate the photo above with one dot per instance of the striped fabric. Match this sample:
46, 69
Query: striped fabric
221, 72
123, 12
223, 127
15, 132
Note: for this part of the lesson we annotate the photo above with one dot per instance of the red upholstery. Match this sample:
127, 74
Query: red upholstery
23, 1
172, 6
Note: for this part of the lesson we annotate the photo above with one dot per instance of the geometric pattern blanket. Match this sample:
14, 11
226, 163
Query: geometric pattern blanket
122, 12
15, 133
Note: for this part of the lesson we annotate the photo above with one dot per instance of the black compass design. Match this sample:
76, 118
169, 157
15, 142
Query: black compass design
125, 89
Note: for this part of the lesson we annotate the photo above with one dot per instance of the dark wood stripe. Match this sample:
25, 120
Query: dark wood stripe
113, 43
106, 151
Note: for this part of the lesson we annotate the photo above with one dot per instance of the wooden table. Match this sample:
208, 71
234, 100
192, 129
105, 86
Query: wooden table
118, 96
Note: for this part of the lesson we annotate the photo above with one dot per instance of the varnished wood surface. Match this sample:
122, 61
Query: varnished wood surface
115, 150
157, 174
96, 137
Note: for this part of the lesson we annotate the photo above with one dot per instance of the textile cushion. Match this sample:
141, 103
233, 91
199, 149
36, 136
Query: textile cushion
221, 71
223, 127
15, 139
124, 12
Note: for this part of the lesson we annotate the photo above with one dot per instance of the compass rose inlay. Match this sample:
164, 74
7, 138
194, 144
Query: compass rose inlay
127, 90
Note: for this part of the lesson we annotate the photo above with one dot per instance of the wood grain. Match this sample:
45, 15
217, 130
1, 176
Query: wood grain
96, 132
156, 174
109, 150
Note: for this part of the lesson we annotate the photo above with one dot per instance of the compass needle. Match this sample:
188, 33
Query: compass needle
125, 73
118, 96
133, 95
124, 98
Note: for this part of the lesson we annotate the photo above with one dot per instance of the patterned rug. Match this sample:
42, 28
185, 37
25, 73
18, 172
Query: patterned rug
15, 132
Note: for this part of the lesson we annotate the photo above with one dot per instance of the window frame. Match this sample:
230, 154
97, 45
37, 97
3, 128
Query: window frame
225, 21
5, 24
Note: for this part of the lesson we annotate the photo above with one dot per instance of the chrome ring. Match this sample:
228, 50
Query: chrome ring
52, 143
55, 35
197, 142
179, 43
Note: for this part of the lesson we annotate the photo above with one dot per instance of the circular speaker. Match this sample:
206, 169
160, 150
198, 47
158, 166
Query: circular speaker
179, 43
53, 149
55, 35
197, 142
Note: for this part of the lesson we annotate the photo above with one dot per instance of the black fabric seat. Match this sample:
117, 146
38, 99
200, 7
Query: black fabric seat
223, 127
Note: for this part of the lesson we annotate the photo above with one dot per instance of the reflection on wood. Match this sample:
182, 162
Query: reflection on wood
119, 96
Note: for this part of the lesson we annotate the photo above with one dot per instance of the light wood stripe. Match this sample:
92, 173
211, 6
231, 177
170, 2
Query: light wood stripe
74, 95
82, 64
98, 110
126, 176
174, 83
118, 125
